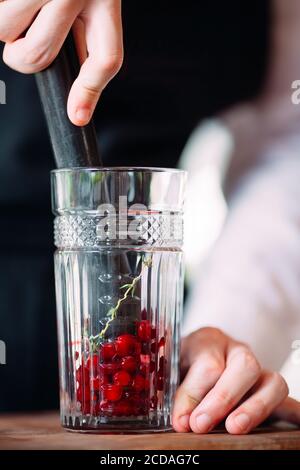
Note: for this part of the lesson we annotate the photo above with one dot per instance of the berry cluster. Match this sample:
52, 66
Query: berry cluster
119, 379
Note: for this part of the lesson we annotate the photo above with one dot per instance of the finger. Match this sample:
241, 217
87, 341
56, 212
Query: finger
241, 373
208, 365
44, 38
289, 410
16, 16
269, 393
104, 39
79, 34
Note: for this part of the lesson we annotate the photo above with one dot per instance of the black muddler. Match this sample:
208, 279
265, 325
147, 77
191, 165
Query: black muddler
73, 146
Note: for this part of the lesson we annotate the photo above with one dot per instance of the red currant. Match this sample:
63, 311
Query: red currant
137, 349
144, 330
154, 347
124, 408
138, 383
145, 358
94, 397
82, 374
161, 342
128, 392
98, 381
107, 351
125, 345
93, 362
110, 368
112, 392
144, 369
147, 384
122, 378
129, 364
138, 405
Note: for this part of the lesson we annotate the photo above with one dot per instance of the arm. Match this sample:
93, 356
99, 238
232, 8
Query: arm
249, 286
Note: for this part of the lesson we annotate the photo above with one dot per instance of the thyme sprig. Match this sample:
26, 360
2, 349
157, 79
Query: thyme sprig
113, 312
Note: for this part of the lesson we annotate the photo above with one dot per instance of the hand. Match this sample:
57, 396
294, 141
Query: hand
97, 27
224, 380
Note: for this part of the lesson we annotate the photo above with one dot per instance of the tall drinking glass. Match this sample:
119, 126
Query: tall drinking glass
119, 289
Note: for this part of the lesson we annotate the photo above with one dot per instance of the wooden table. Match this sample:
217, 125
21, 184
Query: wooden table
43, 432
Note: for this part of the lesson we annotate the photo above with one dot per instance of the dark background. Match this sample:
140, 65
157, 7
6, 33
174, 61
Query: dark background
182, 63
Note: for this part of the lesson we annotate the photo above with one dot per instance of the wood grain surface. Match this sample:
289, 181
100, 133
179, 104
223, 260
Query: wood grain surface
43, 432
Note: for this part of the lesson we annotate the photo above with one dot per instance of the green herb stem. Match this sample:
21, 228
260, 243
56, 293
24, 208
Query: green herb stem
130, 289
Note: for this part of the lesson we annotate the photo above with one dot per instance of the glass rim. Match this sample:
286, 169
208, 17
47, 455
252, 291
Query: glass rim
119, 169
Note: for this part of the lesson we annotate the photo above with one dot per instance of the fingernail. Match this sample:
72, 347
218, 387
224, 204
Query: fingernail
203, 423
242, 421
83, 114
184, 421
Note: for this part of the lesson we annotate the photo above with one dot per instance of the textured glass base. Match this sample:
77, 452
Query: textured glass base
115, 425
119, 429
